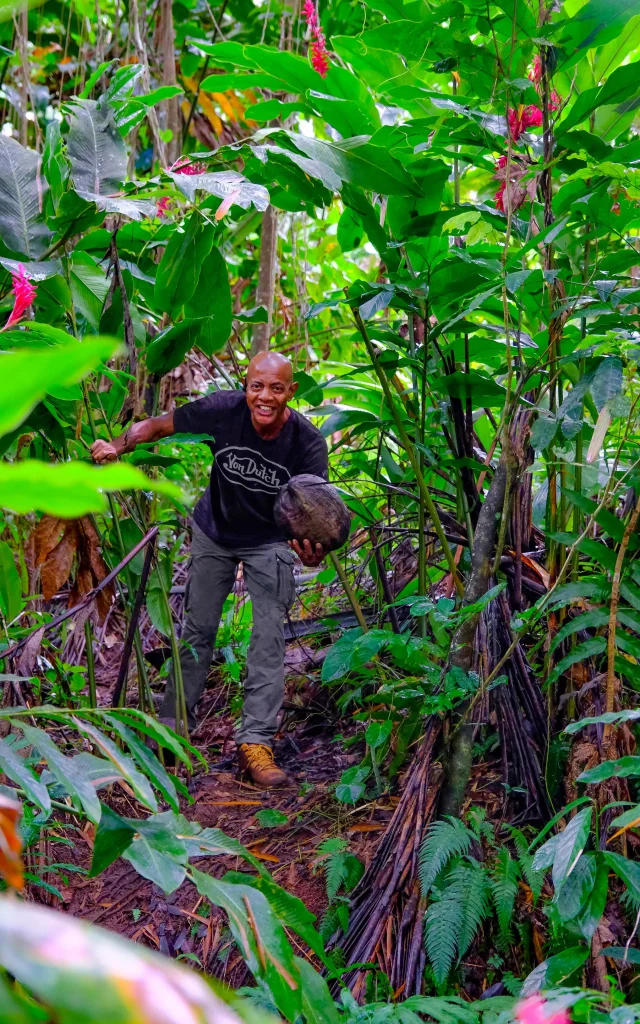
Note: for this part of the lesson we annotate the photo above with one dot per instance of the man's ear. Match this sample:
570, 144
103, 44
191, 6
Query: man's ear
293, 387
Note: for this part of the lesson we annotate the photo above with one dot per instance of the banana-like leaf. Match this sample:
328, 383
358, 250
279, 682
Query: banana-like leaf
223, 184
67, 773
22, 188
95, 149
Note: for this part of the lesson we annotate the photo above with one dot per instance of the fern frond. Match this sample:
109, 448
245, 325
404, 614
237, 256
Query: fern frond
534, 878
442, 925
470, 885
333, 845
335, 871
504, 887
478, 823
444, 840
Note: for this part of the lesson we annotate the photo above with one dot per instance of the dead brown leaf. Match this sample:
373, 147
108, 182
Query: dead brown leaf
56, 567
46, 535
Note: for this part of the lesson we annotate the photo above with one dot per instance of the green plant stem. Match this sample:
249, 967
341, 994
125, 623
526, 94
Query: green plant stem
349, 591
408, 446
376, 770
178, 680
91, 667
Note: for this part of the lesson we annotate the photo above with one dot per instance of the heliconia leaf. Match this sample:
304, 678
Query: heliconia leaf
622, 768
22, 188
124, 764
70, 775
12, 764
607, 718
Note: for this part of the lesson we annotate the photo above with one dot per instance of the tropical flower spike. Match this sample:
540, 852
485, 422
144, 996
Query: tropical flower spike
25, 293
319, 56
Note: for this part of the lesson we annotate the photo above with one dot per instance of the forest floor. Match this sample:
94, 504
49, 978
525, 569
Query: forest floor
314, 749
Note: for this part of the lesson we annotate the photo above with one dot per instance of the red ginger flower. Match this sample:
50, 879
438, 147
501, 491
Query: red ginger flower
319, 56
522, 118
532, 1011
25, 293
535, 76
162, 206
183, 165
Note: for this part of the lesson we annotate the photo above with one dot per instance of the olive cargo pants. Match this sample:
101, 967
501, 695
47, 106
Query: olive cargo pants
268, 574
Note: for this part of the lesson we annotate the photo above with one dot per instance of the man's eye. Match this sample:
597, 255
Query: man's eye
256, 387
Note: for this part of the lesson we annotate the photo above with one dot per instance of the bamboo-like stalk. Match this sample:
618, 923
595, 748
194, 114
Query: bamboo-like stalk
411, 455
349, 591
91, 665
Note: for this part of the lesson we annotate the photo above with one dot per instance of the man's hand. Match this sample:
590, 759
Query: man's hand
306, 553
104, 451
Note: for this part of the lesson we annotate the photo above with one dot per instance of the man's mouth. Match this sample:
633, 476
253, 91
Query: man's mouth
265, 410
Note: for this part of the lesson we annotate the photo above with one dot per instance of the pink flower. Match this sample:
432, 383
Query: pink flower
25, 293
523, 118
183, 165
226, 204
499, 197
319, 56
532, 1011
162, 206
535, 74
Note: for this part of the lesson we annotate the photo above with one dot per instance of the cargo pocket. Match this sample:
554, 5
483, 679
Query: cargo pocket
286, 586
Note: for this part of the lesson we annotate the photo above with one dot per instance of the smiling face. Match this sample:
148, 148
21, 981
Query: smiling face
269, 386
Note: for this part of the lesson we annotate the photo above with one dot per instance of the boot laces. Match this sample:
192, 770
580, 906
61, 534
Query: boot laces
257, 756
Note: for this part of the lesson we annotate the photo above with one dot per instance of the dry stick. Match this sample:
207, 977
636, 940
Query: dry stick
88, 599
133, 623
408, 446
613, 611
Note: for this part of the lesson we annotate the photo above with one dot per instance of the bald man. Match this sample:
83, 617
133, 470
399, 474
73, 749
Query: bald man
259, 443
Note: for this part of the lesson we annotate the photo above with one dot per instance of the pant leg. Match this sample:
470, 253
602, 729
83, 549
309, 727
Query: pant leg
210, 579
268, 572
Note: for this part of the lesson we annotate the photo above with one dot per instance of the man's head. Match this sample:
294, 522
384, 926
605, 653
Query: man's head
270, 386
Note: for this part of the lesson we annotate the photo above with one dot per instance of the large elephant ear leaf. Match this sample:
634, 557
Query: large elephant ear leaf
97, 153
22, 189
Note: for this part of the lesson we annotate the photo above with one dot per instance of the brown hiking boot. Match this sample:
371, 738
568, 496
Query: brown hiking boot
257, 762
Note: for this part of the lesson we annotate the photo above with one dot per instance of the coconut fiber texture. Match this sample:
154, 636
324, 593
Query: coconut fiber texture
308, 508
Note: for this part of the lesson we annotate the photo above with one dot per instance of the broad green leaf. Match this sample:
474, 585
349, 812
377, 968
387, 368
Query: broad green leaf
630, 956
139, 784
114, 835
260, 938
627, 870
587, 620
11, 602
66, 771
22, 226
148, 762
33, 372
584, 650
318, 1006
156, 852
570, 845
271, 817
179, 270
591, 914
13, 766
378, 733
160, 733
554, 970
572, 897
607, 718
622, 768
213, 301
95, 149
71, 489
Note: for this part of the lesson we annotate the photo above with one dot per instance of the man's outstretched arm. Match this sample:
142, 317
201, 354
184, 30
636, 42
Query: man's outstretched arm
143, 432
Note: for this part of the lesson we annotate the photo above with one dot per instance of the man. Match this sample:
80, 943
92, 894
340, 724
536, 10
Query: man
259, 443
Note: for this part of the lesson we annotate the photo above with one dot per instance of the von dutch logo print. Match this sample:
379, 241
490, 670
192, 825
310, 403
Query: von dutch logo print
250, 469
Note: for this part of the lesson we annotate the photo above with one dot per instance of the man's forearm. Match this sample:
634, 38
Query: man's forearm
144, 432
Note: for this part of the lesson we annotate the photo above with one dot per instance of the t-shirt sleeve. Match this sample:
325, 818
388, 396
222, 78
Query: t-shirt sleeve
316, 456
199, 417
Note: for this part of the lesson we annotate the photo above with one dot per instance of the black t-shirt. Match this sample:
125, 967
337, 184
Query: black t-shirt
248, 472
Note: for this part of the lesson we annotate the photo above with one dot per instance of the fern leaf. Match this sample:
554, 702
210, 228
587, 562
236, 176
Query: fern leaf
504, 887
442, 925
444, 840
534, 878
469, 884
333, 845
335, 871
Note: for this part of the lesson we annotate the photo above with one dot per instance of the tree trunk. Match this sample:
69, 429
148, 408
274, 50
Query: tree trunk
167, 56
266, 279
494, 507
